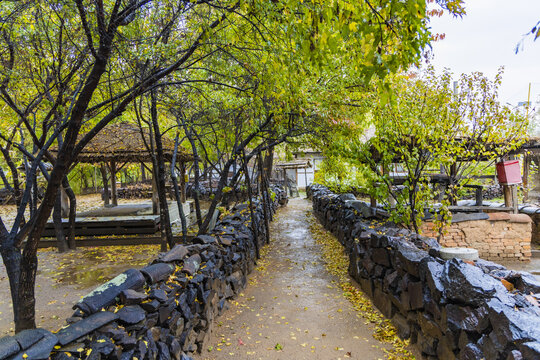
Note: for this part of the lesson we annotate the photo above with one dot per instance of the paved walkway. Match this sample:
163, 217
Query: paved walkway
292, 307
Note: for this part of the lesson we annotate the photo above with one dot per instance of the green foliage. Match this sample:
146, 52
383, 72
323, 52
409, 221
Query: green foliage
425, 127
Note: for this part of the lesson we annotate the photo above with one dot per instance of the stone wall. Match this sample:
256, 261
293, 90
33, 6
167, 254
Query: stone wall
165, 310
500, 237
450, 309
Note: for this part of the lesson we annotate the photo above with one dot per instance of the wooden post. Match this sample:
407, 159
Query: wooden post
155, 197
143, 173
183, 182
113, 183
526, 166
103, 170
305, 176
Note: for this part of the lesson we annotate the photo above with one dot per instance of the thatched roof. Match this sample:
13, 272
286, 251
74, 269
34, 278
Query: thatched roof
123, 142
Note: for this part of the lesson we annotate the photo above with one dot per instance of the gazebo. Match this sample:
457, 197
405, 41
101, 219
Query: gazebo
121, 143
118, 144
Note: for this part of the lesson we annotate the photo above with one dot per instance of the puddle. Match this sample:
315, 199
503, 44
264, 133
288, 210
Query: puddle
91, 267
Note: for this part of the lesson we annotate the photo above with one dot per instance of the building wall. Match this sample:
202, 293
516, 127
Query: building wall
302, 174
502, 237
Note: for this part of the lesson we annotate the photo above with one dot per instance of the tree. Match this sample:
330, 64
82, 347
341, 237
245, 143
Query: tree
69, 68
423, 128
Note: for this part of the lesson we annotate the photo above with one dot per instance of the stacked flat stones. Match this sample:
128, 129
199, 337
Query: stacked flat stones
451, 309
165, 310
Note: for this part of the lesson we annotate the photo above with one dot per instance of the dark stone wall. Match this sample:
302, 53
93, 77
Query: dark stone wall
450, 309
165, 310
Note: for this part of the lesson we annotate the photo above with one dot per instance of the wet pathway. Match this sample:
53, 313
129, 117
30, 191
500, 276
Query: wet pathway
292, 308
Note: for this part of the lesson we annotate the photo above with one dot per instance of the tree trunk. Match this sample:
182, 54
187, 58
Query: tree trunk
252, 214
264, 193
183, 182
58, 226
72, 213
166, 231
7, 185
103, 170
196, 182
113, 184
177, 194
11, 256
143, 173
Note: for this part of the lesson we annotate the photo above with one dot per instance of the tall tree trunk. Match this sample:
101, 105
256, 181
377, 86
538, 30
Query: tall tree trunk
254, 228
113, 184
11, 256
7, 185
26, 297
143, 173
72, 213
264, 198
196, 182
166, 231
58, 226
177, 192
103, 171
14, 175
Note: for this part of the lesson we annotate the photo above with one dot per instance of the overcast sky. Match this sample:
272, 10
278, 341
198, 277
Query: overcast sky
486, 38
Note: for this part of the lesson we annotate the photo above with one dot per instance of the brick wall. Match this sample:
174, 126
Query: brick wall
501, 237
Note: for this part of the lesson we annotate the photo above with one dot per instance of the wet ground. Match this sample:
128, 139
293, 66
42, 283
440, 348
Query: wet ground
63, 278
292, 308
532, 266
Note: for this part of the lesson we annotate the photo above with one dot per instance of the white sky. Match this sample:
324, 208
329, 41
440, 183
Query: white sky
486, 38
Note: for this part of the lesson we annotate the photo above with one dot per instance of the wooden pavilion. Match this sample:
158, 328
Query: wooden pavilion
121, 143
115, 146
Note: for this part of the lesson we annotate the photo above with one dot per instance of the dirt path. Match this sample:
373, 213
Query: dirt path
292, 307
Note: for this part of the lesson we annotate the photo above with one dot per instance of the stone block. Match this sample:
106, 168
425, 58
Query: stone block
85, 326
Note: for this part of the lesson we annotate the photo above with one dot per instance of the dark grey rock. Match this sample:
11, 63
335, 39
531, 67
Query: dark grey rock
41, 350
429, 326
85, 326
347, 196
512, 325
514, 355
131, 314
402, 326
460, 217
362, 207
467, 284
27, 338
411, 258
416, 295
530, 350
204, 239
103, 346
471, 352
380, 256
132, 297
150, 306
432, 273
177, 253
106, 294
8, 347
457, 318
158, 294
192, 264
163, 351
157, 272
527, 283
